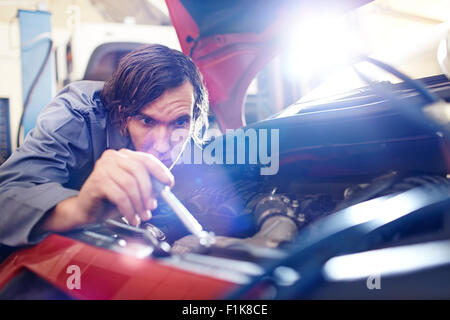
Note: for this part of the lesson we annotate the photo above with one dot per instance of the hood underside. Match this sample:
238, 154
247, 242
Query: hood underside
231, 41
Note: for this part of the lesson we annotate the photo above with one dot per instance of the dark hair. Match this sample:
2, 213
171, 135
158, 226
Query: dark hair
142, 77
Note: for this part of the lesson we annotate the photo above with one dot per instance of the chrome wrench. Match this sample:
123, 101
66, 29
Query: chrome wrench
205, 238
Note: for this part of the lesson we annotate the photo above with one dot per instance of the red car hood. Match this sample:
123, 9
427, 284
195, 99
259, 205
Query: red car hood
231, 41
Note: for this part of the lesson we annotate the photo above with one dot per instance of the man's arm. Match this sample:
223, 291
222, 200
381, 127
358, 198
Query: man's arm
37, 192
119, 184
37, 175
62, 218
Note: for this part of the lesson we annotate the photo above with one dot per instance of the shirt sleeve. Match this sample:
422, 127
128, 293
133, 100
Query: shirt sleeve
37, 176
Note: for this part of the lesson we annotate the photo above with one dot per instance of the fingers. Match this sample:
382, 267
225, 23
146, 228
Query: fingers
131, 190
124, 179
117, 196
138, 172
154, 166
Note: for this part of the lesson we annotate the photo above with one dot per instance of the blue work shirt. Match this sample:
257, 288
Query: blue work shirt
54, 160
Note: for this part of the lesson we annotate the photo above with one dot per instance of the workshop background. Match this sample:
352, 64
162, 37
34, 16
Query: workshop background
404, 33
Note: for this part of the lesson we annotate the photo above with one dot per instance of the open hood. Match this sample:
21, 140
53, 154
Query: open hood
231, 41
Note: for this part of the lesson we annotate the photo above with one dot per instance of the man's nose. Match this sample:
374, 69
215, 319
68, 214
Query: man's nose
161, 143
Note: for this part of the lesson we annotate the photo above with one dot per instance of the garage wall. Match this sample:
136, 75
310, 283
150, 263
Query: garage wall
11, 80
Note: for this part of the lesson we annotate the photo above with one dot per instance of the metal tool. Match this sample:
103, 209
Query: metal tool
161, 248
205, 238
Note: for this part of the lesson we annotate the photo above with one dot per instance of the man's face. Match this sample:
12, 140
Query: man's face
151, 129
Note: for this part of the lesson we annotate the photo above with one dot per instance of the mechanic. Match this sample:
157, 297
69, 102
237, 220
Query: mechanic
96, 145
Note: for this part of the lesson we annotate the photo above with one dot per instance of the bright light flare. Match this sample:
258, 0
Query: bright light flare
318, 45
389, 261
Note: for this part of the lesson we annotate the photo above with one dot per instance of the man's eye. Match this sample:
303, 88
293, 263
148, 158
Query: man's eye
181, 122
147, 122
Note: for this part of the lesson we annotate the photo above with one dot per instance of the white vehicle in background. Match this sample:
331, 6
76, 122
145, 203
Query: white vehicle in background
93, 50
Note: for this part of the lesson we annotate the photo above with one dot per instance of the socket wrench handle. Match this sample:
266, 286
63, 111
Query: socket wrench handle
189, 221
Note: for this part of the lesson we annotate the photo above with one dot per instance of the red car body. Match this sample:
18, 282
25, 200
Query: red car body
109, 275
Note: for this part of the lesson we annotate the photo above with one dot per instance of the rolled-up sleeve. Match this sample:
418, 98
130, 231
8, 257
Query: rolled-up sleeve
39, 174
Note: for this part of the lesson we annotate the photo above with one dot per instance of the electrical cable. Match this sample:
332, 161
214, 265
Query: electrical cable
34, 83
415, 114
376, 87
426, 93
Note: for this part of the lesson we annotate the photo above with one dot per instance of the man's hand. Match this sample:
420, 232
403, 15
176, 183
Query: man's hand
122, 178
